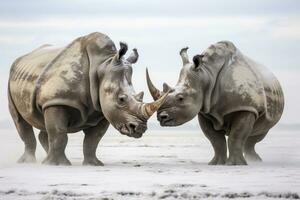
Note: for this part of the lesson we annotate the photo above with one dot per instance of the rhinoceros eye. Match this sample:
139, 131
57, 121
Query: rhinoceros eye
122, 99
180, 98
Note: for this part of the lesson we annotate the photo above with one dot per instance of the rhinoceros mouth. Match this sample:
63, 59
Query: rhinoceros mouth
136, 135
168, 122
125, 130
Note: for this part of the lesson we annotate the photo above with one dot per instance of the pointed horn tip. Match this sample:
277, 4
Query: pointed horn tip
147, 75
155, 93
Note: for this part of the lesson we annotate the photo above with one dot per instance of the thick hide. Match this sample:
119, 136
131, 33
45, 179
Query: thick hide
59, 76
244, 85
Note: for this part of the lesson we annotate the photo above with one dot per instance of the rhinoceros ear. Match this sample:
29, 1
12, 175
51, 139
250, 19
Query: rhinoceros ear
133, 57
167, 88
184, 55
197, 59
139, 96
123, 49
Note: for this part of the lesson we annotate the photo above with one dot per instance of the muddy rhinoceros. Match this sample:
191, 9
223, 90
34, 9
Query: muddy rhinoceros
83, 86
231, 94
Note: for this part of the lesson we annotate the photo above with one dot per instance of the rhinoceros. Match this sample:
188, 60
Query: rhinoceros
232, 95
85, 85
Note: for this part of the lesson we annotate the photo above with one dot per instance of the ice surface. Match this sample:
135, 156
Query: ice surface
165, 164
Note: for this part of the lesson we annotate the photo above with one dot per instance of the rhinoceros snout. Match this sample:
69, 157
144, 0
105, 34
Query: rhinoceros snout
134, 129
164, 118
140, 128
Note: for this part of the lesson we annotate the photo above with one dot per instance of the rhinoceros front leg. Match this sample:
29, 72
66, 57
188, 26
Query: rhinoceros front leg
43, 138
56, 121
217, 139
241, 127
92, 137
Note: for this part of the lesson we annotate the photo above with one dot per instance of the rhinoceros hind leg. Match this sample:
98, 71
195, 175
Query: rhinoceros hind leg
241, 127
249, 148
27, 135
56, 121
217, 139
43, 138
92, 137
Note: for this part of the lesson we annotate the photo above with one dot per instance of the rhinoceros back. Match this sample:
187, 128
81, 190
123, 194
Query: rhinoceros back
23, 76
244, 85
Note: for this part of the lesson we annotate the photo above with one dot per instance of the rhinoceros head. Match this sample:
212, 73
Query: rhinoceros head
121, 106
187, 98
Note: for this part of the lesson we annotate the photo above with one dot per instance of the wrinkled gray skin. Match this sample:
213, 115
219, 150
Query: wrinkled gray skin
83, 86
231, 94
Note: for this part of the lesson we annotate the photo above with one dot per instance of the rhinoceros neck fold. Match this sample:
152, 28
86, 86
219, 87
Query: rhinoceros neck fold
99, 49
212, 74
95, 81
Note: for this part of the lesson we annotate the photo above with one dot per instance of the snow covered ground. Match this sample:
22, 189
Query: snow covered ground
164, 164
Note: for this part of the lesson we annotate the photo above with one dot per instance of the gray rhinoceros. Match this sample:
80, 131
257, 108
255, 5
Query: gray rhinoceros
231, 94
83, 86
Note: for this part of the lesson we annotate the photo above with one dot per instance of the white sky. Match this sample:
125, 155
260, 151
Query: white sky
267, 31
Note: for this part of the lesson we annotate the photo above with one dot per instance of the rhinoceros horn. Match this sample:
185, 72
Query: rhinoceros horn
184, 56
155, 93
133, 56
149, 108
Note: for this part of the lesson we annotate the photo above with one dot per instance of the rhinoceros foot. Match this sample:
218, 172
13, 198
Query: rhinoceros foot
27, 158
253, 157
92, 161
236, 160
56, 160
218, 160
